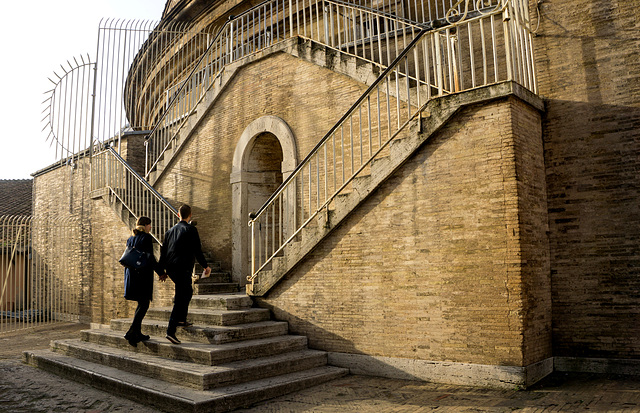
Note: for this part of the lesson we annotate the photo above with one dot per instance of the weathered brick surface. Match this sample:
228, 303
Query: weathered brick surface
588, 73
62, 191
432, 265
449, 259
59, 193
310, 99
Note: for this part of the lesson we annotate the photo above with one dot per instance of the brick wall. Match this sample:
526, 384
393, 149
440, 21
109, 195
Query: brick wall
446, 260
60, 192
587, 65
309, 98
63, 191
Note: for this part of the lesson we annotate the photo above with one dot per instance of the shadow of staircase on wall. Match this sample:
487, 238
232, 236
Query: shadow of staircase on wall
232, 356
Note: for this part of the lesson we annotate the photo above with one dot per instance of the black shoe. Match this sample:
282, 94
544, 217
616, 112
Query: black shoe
132, 339
172, 338
144, 337
184, 324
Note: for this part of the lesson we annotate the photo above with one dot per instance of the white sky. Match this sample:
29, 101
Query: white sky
37, 37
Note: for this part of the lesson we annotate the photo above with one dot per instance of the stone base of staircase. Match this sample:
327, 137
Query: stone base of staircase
233, 356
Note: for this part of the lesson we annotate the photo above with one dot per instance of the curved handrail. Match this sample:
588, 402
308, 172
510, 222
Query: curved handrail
238, 35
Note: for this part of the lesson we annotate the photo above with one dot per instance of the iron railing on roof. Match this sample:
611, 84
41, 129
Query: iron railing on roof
95, 100
370, 34
491, 47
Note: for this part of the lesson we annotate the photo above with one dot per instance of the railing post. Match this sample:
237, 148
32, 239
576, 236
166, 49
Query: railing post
438, 58
507, 42
253, 249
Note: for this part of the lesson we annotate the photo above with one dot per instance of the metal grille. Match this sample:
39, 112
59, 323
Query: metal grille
39, 271
120, 101
94, 101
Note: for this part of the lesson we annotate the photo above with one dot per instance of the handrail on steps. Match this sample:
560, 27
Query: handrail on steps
111, 171
444, 64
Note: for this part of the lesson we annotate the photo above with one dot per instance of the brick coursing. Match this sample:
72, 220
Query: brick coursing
488, 246
588, 64
307, 97
65, 192
431, 266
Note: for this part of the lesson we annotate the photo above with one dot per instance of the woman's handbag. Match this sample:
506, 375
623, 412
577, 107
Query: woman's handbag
134, 259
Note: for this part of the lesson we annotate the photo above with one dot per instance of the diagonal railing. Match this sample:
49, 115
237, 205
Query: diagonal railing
110, 171
489, 48
367, 33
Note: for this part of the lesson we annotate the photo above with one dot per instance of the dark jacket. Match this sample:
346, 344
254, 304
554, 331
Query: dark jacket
138, 284
180, 249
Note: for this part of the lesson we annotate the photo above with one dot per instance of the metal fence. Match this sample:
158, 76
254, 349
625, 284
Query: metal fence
40, 271
147, 75
109, 171
491, 47
94, 100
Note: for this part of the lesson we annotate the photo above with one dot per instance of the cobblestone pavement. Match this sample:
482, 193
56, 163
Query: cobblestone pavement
26, 389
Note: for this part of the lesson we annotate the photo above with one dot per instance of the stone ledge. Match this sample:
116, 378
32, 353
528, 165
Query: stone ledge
597, 365
467, 374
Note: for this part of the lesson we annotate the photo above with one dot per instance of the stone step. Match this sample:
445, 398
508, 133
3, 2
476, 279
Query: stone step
207, 316
230, 301
197, 376
174, 398
215, 288
209, 334
214, 277
202, 353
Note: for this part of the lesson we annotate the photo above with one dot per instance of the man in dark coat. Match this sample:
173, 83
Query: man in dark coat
179, 251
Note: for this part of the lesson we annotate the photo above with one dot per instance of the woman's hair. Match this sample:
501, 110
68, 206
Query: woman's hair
140, 224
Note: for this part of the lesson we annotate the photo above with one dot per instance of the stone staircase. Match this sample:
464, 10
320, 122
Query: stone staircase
436, 115
357, 68
217, 282
233, 356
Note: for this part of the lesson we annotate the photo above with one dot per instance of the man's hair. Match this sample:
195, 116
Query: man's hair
184, 211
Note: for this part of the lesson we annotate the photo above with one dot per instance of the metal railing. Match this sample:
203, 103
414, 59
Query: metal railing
486, 49
110, 171
140, 66
40, 271
428, 11
370, 34
95, 101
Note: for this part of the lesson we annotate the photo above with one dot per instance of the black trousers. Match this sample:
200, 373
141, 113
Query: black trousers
141, 311
181, 300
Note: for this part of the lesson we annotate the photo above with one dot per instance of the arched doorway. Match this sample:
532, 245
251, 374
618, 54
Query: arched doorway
264, 156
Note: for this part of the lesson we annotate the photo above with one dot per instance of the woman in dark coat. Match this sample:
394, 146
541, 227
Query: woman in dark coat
138, 284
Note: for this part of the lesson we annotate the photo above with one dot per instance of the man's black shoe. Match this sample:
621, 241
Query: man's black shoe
144, 337
133, 341
173, 339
